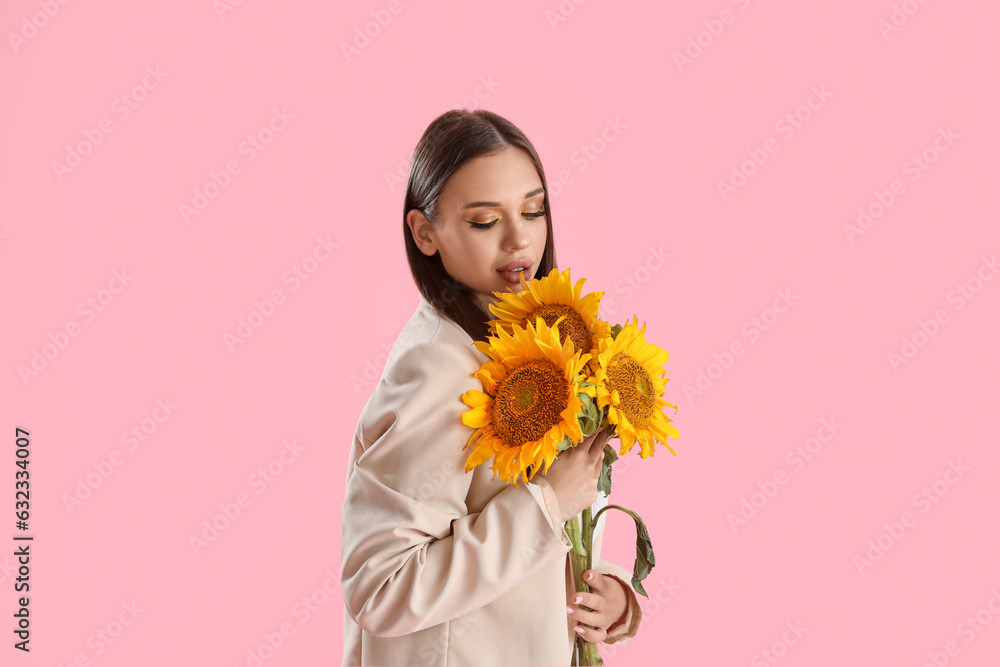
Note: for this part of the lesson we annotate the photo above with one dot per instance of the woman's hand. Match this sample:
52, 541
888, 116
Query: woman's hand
573, 475
607, 598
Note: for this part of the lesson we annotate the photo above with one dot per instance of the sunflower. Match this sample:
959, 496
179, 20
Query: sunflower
528, 409
551, 298
629, 383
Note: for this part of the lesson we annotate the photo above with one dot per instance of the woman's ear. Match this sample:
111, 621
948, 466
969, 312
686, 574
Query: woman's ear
422, 232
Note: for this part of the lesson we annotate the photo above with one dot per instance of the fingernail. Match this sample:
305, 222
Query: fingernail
589, 576
569, 610
578, 599
579, 629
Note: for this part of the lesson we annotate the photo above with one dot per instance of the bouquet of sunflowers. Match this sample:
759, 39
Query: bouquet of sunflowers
557, 374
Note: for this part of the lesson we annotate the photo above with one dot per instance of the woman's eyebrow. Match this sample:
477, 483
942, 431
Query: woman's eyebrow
483, 204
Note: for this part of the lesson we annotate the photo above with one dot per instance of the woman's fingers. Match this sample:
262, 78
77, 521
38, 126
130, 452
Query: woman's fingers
597, 446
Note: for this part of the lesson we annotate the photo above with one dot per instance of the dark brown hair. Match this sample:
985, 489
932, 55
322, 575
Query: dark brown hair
451, 140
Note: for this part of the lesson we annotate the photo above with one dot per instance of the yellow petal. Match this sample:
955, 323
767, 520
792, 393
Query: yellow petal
476, 418
475, 398
481, 453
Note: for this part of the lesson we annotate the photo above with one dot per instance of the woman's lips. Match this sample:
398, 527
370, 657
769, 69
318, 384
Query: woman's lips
513, 277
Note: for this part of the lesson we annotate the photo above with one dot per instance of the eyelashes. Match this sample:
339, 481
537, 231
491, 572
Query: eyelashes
487, 225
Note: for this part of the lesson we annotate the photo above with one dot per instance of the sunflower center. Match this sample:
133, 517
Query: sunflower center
573, 326
529, 402
634, 386
525, 398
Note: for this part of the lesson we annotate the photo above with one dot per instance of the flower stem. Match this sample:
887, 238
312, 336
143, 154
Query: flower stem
582, 536
615, 507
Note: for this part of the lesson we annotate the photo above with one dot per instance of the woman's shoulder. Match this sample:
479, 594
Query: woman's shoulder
431, 342
431, 364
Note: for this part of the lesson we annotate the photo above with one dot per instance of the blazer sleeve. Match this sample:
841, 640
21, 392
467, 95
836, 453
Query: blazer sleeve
412, 555
633, 614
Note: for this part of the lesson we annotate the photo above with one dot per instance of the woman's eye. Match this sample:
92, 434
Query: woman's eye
481, 225
487, 225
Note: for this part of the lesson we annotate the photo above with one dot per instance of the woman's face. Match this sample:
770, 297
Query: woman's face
490, 214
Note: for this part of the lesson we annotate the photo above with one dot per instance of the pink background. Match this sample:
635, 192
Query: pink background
336, 171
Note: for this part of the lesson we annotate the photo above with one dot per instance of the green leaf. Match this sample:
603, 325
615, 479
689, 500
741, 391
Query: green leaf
615, 330
590, 418
605, 423
604, 481
644, 558
586, 399
564, 444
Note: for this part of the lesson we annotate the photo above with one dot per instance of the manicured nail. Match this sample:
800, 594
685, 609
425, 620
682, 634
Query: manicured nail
589, 576
579, 629
578, 599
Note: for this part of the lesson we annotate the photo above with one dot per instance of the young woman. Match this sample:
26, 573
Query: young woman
441, 566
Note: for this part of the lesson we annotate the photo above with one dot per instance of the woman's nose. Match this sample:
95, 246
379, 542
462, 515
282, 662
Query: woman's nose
517, 235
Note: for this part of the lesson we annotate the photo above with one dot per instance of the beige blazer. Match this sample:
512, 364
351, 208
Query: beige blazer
440, 566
